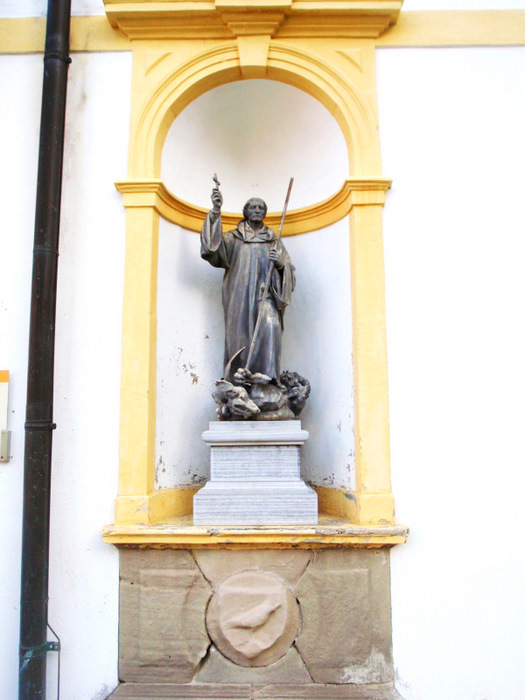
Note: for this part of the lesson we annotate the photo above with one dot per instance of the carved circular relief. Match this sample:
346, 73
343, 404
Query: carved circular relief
253, 618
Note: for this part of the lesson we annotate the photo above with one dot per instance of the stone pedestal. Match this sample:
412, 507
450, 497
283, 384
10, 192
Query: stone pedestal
255, 624
255, 476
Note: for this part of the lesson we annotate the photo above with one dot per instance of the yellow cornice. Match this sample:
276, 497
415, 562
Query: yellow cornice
28, 34
457, 28
354, 192
425, 29
144, 19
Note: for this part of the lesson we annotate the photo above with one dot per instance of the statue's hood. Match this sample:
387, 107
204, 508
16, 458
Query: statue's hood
245, 232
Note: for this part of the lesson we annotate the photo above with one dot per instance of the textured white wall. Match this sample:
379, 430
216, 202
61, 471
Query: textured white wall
35, 8
38, 8
255, 134
454, 231
19, 116
453, 140
83, 593
422, 5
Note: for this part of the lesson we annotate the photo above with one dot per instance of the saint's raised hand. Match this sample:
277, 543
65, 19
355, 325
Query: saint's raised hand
216, 198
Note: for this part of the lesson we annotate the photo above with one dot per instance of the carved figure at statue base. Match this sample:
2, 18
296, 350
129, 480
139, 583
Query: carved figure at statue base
256, 397
259, 279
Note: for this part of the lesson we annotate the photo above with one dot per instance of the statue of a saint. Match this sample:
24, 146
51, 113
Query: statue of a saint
245, 254
253, 388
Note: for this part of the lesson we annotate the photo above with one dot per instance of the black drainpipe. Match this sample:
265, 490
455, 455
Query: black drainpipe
39, 410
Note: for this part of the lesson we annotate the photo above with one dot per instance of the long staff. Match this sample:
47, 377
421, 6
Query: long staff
267, 280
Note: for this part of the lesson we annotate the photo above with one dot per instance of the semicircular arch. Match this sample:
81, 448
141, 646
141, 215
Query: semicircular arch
220, 65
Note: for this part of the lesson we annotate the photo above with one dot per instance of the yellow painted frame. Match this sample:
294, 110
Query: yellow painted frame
20, 35
180, 52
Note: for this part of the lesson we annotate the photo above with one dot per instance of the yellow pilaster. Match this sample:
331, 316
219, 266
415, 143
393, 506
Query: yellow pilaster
374, 500
139, 341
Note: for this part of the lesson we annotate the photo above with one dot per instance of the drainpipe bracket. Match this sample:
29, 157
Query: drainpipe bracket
28, 653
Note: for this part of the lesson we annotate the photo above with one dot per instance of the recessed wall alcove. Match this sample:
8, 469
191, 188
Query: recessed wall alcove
256, 94
255, 134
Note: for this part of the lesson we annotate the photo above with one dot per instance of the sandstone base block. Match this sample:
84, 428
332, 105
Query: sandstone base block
293, 624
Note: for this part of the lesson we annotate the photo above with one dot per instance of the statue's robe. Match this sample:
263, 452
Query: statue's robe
245, 257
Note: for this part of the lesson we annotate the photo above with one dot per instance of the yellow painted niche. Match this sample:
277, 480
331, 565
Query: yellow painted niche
180, 51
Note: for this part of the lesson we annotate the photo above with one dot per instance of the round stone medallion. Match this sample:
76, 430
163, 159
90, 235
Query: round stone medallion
253, 618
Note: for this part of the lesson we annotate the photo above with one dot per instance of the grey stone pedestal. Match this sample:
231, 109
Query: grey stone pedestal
255, 476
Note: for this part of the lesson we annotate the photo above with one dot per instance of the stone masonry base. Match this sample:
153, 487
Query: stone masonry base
255, 624
196, 691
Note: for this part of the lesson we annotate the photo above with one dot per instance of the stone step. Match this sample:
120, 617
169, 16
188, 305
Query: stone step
217, 691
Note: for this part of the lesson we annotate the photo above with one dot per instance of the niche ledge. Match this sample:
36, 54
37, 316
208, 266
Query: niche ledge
180, 533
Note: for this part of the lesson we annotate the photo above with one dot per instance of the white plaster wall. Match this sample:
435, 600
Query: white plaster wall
256, 135
421, 5
453, 140
454, 253
35, 8
38, 8
19, 116
83, 594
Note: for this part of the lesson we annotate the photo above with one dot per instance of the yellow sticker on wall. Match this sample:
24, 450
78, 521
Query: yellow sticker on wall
4, 392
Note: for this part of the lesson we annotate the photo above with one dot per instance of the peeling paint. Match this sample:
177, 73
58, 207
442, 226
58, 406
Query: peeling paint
374, 670
159, 467
103, 693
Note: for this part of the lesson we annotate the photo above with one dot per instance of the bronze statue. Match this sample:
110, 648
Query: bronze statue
259, 279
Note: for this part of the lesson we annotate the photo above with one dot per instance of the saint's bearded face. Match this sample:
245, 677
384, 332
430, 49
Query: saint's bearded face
254, 210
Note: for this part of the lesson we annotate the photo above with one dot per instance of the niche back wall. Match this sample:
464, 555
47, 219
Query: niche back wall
255, 134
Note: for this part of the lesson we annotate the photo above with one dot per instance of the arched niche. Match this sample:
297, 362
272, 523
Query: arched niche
218, 66
170, 73
256, 134
246, 130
